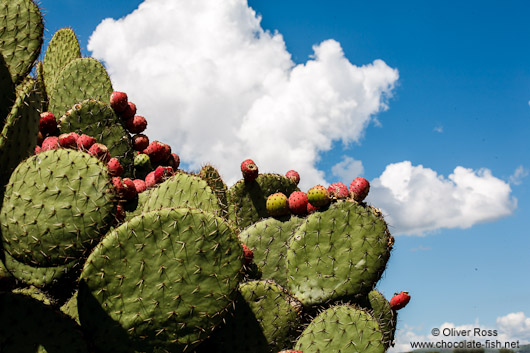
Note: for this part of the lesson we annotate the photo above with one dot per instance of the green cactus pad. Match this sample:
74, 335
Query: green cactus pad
386, 317
97, 119
341, 252
57, 205
213, 178
7, 90
265, 320
19, 135
28, 323
81, 79
63, 48
40, 276
70, 308
247, 201
21, 31
268, 239
160, 282
342, 329
41, 86
182, 190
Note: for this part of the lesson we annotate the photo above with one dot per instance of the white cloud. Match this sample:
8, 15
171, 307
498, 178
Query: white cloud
417, 200
218, 88
347, 170
517, 177
439, 129
513, 328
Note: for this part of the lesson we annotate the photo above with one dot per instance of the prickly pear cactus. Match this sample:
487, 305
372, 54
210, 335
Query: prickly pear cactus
177, 262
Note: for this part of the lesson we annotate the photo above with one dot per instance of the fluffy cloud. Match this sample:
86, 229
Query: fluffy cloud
517, 177
416, 199
511, 328
220, 89
347, 169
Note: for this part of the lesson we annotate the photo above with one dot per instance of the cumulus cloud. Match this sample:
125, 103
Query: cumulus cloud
218, 88
417, 200
512, 328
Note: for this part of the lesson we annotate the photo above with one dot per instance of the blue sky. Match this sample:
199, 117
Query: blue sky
461, 99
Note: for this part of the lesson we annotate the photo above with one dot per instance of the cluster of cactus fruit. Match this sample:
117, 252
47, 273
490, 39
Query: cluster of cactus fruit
106, 246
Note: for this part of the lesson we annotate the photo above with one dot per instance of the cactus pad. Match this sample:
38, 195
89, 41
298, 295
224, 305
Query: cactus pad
161, 281
63, 48
268, 239
341, 252
81, 79
56, 206
19, 135
247, 201
213, 178
97, 119
182, 190
7, 90
384, 314
21, 31
265, 320
342, 329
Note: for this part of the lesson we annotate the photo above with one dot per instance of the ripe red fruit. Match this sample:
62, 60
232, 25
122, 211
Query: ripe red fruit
120, 213
140, 185
136, 124
68, 140
162, 173
247, 254
338, 191
174, 161
250, 170
400, 300
298, 202
84, 142
114, 167
48, 123
49, 143
150, 180
359, 188
311, 208
37, 149
158, 151
140, 142
40, 138
100, 151
129, 112
294, 176
118, 101
125, 188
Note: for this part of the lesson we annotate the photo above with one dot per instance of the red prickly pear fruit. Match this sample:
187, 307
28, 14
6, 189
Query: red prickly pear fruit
129, 112
294, 176
118, 101
140, 185
100, 151
162, 173
298, 202
338, 191
318, 196
37, 149
136, 124
114, 167
48, 123
277, 205
247, 254
120, 213
125, 188
311, 208
158, 151
291, 351
68, 140
150, 180
174, 161
50, 143
140, 142
359, 188
400, 300
250, 171
84, 142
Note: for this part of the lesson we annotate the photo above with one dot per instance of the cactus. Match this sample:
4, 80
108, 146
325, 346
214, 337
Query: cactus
186, 265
